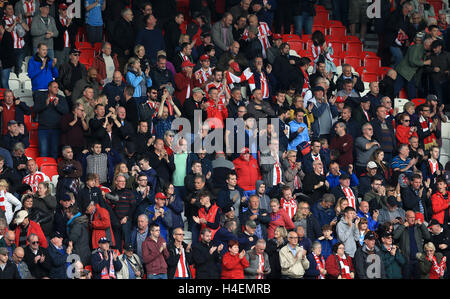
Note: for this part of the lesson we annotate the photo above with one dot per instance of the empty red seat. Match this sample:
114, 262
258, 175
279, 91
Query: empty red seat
321, 17
32, 152
355, 62
297, 46
49, 169
338, 48
290, 37
337, 32
354, 48
306, 38
372, 63
330, 23
320, 28
33, 137
369, 77
45, 160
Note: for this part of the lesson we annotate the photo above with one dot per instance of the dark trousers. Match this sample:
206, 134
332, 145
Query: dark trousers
411, 270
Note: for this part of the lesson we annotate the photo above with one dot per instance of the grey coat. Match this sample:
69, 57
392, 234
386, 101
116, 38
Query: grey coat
361, 265
39, 29
252, 258
217, 36
79, 235
267, 164
348, 235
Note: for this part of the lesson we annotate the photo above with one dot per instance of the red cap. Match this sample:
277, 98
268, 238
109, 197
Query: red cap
420, 216
245, 150
235, 66
187, 63
277, 36
63, 6
204, 57
340, 100
160, 195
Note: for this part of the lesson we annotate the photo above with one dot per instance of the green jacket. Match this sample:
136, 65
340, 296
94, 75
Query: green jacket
392, 264
401, 235
411, 63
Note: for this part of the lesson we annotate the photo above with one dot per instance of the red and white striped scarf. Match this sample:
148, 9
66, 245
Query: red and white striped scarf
350, 196
437, 270
2, 200
433, 166
366, 114
426, 126
260, 266
204, 75
263, 36
320, 262
105, 274
290, 206
306, 86
66, 33
220, 88
345, 269
181, 267
277, 173
19, 42
34, 180
248, 76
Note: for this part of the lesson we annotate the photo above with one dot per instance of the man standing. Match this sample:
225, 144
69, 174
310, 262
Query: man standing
416, 197
105, 262
37, 258
258, 259
154, 254
180, 256
151, 38
347, 230
206, 257
364, 254
43, 29
41, 70
66, 35
383, 132
160, 215
94, 21
441, 203
222, 33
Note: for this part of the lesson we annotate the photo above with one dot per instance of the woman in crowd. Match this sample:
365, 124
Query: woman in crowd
316, 268
234, 262
273, 248
339, 265
138, 78
122, 169
44, 201
382, 169
8, 201
175, 204
363, 228
431, 263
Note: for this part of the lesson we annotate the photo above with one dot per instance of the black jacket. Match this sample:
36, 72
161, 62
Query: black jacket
58, 262
124, 37
58, 42
10, 271
174, 257
359, 86
38, 270
261, 220
7, 54
378, 133
411, 202
99, 263
205, 263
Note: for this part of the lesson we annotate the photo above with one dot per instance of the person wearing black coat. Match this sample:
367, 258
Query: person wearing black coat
283, 69
10, 270
260, 216
11, 176
273, 251
358, 87
7, 55
172, 35
175, 252
124, 37
43, 266
206, 257
78, 233
100, 261
411, 199
389, 148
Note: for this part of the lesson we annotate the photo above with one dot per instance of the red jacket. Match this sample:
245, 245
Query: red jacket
233, 267
247, 172
439, 205
154, 260
101, 226
280, 218
333, 268
100, 66
403, 134
216, 114
33, 228
181, 83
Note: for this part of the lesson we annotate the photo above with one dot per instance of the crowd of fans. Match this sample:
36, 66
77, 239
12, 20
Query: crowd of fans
335, 185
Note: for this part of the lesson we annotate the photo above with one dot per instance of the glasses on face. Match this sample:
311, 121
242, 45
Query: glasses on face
179, 234
406, 120
426, 110
341, 247
35, 242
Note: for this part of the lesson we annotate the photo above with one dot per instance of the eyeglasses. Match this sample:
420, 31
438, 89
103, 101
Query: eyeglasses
406, 120
179, 234
35, 242
426, 110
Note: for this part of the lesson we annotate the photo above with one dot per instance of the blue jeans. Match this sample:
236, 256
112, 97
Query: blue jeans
397, 54
48, 142
5, 77
340, 11
303, 22
156, 276
411, 89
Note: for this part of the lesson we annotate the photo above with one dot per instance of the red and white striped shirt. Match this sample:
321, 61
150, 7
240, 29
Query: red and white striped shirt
350, 196
434, 166
2, 200
182, 270
260, 266
19, 42
263, 36
290, 206
33, 180
29, 7
66, 33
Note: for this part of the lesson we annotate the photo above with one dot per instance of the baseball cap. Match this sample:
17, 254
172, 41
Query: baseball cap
187, 63
198, 89
4, 251
204, 57
12, 122
129, 247
160, 195
370, 236
44, 4
20, 217
74, 51
317, 88
372, 164
344, 176
434, 222
386, 234
277, 36
56, 235
364, 99
103, 240
63, 6
251, 223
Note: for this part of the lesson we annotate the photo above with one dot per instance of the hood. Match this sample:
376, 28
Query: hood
258, 184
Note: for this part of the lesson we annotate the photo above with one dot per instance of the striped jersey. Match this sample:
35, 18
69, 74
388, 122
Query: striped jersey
33, 180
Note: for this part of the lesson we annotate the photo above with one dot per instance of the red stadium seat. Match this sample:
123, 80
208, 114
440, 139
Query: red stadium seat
32, 152
297, 46
352, 38
83, 45
33, 137
338, 48
337, 32
27, 121
290, 37
382, 71
45, 160
369, 77
372, 63
49, 169
306, 37
402, 94
354, 61
308, 46
331, 23
320, 8
354, 48
97, 48
321, 17
319, 27
418, 101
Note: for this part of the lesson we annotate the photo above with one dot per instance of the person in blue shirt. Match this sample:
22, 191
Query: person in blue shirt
327, 240
335, 172
299, 131
94, 20
151, 38
363, 212
160, 214
324, 209
41, 70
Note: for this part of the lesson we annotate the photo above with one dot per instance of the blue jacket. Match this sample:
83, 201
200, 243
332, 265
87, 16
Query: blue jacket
176, 208
303, 136
133, 237
136, 81
334, 180
41, 78
372, 224
58, 259
322, 215
164, 223
327, 247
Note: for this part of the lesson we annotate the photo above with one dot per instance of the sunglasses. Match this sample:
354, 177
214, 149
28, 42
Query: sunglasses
35, 242
406, 120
